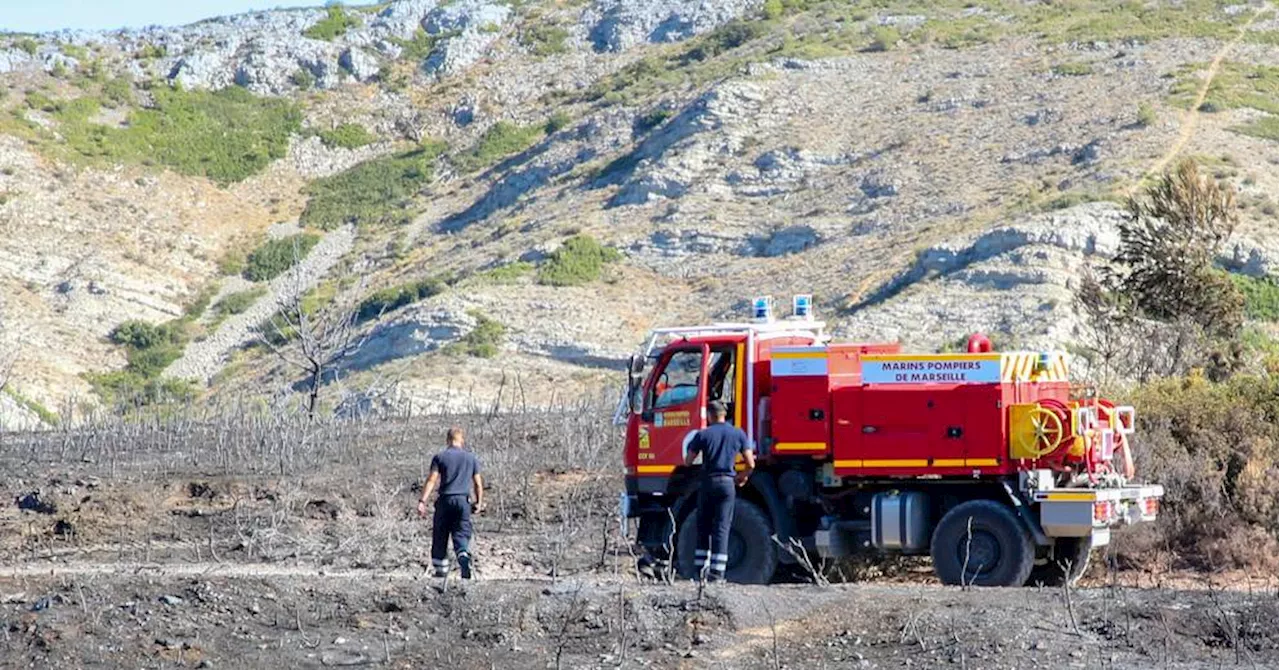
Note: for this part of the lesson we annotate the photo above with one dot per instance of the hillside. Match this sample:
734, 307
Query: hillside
515, 192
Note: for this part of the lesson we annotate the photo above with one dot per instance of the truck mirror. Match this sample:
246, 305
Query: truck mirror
634, 397
636, 364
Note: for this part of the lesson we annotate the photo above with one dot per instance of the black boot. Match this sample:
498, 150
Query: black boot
464, 565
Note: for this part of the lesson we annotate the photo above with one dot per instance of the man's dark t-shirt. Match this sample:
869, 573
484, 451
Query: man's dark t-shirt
719, 444
456, 467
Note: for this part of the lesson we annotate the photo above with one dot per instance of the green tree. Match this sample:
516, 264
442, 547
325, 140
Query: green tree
1168, 246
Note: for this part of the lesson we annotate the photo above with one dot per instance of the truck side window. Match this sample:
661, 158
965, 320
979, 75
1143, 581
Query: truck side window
722, 376
677, 384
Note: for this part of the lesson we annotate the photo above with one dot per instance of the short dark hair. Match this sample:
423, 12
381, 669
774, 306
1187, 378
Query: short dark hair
455, 434
717, 408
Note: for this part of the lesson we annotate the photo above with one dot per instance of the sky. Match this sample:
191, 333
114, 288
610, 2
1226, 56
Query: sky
32, 16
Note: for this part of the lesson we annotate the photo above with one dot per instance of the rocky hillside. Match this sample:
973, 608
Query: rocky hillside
513, 192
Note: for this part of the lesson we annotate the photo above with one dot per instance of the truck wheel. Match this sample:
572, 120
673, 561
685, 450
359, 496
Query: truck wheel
983, 543
1069, 560
753, 556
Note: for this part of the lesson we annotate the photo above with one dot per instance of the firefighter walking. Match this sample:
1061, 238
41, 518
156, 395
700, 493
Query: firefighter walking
719, 444
455, 470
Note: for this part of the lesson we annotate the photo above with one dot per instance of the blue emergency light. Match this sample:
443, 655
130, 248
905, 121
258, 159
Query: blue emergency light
762, 308
802, 306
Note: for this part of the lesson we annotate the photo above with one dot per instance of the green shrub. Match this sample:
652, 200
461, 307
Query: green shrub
200, 302
506, 274
41, 101
347, 136
374, 192
418, 47
578, 261
149, 349
117, 92
225, 135
150, 51
1073, 69
557, 122
49, 418
725, 38
303, 79
123, 387
1147, 115
1261, 296
501, 140
152, 361
28, 45
138, 334
237, 303
74, 51
335, 23
395, 297
544, 39
652, 119
772, 9
274, 257
883, 38
1266, 127
483, 340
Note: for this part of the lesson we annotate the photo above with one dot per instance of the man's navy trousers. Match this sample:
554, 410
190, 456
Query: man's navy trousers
452, 520
715, 517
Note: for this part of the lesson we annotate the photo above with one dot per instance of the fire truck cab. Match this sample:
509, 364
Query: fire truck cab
990, 462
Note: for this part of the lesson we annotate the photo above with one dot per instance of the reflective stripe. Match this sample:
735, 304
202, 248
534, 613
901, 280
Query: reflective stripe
440, 562
719, 557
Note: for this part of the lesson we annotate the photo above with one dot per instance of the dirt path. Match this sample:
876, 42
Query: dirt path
1191, 115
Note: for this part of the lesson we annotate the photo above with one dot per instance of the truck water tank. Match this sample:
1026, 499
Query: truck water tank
900, 522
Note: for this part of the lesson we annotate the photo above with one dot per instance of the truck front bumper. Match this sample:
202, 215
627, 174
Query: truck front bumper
1094, 512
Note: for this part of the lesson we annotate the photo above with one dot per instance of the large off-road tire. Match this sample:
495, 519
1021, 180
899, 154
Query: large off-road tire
983, 543
753, 556
1068, 561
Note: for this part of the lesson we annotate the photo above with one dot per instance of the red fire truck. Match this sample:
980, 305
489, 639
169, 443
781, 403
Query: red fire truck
990, 462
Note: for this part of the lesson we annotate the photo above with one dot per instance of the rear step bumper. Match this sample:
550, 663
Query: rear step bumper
1094, 512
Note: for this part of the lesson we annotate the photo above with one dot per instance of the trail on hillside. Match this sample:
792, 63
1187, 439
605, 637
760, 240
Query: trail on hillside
1191, 115
202, 359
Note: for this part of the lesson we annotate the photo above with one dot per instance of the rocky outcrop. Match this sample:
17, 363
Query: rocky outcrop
266, 51
672, 160
1018, 279
203, 359
616, 25
468, 29
311, 158
13, 59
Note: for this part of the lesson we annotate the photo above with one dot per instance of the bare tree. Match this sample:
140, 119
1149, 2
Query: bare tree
313, 339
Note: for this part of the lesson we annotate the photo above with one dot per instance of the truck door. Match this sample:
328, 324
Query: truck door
727, 383
674, 409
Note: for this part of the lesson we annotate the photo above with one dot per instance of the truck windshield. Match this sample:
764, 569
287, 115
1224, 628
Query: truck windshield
677, 384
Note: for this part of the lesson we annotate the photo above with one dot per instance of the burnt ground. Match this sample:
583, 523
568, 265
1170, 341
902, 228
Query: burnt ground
148, 618
155, 550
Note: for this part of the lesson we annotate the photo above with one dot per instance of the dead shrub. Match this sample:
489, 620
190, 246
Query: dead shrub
1212, 446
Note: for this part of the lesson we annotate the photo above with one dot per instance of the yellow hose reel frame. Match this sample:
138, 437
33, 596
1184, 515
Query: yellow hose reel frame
1036, 431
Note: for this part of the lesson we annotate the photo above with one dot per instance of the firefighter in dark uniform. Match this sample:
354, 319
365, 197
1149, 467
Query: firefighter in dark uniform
456, 471
719, 445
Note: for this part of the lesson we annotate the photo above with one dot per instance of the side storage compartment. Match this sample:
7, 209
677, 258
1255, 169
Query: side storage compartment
900, 522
